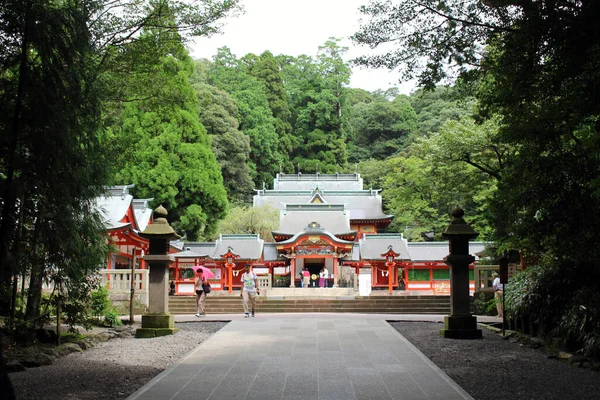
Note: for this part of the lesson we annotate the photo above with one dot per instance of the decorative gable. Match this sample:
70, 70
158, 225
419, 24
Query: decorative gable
317, 198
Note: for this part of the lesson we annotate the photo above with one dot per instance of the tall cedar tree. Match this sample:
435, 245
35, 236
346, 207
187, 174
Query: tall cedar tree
218, 113
317, 96
254, 113
165, 150
267, 69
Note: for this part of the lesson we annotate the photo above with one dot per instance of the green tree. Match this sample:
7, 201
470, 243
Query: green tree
267, 69
254, 113
430, 36
317, 96
435, 107
258, 220
218, 113
381, 127
169, 156
128, 58
538, 71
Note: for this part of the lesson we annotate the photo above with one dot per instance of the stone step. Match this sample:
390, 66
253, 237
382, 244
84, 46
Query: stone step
309, 292
360, 304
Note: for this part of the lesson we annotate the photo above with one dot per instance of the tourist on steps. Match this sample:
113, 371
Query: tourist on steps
322, 278
306, 277
249, 291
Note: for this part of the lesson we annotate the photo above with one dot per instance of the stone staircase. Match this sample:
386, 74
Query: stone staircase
312, 293
339, 301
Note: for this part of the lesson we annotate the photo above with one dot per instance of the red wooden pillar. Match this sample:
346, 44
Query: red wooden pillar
389, 257
230, 257
390, 276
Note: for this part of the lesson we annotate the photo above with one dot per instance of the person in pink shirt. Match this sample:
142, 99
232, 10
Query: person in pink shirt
306, 277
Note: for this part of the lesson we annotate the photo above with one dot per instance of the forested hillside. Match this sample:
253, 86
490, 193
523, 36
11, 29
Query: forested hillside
262, 114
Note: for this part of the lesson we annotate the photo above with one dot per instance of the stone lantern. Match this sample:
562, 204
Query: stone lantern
460, 324
158, 321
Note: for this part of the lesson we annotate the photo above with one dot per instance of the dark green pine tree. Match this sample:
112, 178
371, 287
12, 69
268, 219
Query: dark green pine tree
317, 96
218, 113
165, 150
267, 69
254, 113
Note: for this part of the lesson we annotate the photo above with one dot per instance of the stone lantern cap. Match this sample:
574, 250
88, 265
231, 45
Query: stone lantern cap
458, 227
160, 227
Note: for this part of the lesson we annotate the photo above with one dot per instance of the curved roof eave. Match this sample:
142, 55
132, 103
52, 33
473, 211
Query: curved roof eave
298, 235
379, 218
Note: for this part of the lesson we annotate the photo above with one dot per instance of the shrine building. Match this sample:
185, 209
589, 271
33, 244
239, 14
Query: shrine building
326, 221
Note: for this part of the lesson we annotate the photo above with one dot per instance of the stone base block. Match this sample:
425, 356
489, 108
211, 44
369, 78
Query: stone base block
157, 321
145, 333
461, 327
154, 325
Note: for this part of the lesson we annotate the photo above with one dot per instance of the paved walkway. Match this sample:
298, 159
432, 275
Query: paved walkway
305, 356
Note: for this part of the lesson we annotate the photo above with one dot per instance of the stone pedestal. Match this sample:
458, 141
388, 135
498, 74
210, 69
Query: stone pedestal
154, 325
460, 324
461, 327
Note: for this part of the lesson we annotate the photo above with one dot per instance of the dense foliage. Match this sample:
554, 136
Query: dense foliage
533, 66
65, 71
52, 162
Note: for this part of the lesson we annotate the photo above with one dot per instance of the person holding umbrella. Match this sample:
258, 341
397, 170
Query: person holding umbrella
200, 295
249, 290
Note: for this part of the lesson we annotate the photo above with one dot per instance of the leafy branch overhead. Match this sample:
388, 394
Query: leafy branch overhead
430, 40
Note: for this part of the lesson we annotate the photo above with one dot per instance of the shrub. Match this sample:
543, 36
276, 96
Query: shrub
111, 318
561, 297
100, 301
484, 304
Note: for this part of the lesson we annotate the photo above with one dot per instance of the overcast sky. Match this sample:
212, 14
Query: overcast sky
293, 28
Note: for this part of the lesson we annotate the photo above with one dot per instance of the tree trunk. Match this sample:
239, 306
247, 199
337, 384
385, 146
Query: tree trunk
6, 225
36, 277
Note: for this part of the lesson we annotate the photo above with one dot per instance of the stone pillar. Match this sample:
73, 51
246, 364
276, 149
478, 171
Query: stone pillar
158, 321
158, 277
460, 324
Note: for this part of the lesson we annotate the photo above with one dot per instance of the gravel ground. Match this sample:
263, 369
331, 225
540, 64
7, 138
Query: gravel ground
113, 370
492, 368
500, 368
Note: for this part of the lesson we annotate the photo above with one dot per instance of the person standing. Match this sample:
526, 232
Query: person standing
498, 293
306, 277
325, 276
200, 295
322, 278
249, 291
